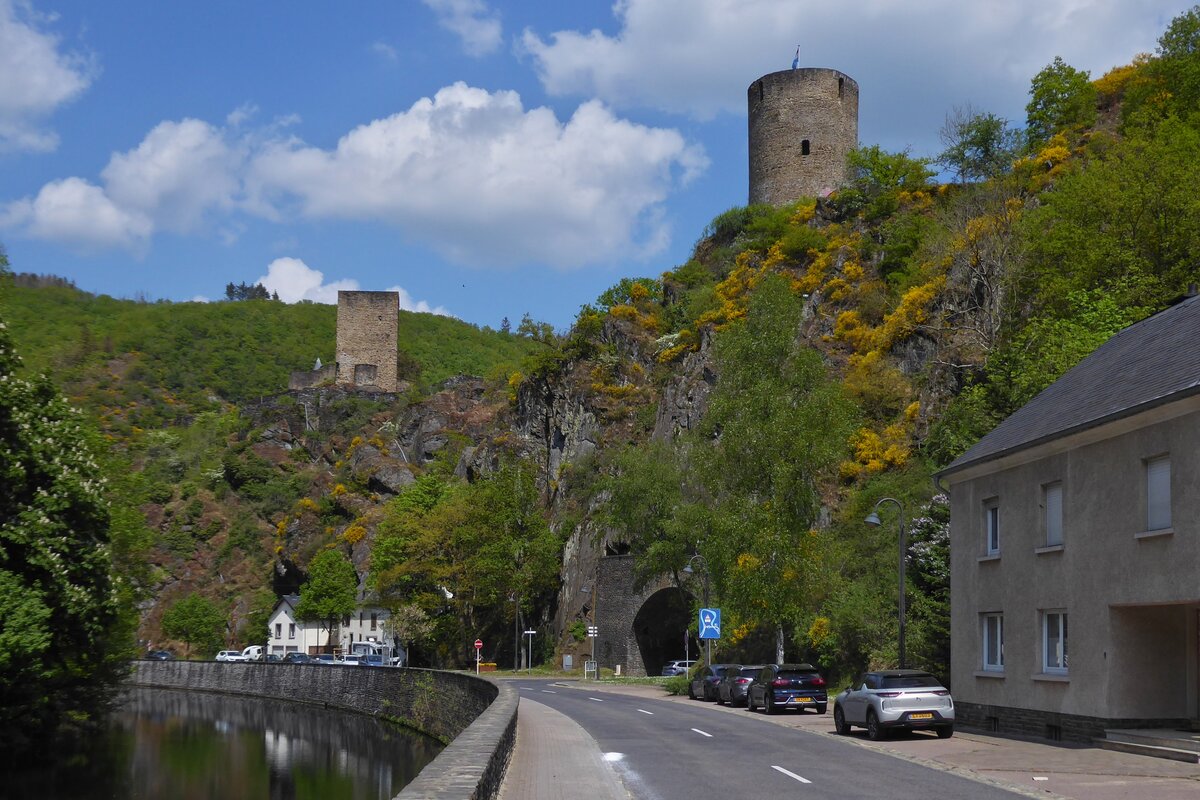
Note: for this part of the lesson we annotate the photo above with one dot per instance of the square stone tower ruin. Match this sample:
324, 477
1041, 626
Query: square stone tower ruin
367, 324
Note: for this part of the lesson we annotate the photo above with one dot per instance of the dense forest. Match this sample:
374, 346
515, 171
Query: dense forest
853, 345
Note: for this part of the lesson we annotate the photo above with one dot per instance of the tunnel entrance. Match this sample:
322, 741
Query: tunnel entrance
660, 628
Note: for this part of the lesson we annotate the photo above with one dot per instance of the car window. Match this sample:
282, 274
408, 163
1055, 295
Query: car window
909, 681
749, 672
794, 674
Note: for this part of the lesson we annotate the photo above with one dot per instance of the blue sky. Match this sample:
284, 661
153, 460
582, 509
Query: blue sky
486, 158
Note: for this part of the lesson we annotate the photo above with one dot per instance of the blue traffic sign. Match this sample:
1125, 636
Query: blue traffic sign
710, 623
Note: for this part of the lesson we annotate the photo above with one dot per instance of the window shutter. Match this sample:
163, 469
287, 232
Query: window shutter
1158, 494
1054, 533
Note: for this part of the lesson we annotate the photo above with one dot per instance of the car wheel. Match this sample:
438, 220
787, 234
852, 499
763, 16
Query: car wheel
720, 700
945, 732
839, 722
750, 702
691, 692
821, 708
875, 731
768, 704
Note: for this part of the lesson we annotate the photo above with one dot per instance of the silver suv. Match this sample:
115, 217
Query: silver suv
895, 698
677, 667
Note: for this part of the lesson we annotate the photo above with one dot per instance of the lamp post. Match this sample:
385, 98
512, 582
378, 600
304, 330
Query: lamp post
529, 651
703, 562
874, 521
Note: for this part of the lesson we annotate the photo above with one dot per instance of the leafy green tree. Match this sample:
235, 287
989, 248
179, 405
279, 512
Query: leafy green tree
1061, 97
878, 177
63, 642
777, 416
409, 623
195, 620
331, 591
978, 145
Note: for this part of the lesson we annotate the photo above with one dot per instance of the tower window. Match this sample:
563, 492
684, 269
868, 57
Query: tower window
804, 148
841, 88
760, 91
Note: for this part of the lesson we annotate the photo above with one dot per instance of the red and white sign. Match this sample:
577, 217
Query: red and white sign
479, 644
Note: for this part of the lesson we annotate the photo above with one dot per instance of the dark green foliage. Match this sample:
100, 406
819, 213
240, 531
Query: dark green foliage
623, 292
330, 591
198, 622
63, 640
1061, 98
1170, 83
877, 179
244, 291
978, 145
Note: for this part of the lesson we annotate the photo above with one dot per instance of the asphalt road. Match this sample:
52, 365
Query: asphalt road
674, 751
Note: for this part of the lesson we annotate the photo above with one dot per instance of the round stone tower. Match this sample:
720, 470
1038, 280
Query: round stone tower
803, 124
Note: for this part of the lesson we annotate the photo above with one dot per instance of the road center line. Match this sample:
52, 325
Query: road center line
702, 733
644, 711
549, 691
597, 699
791, 774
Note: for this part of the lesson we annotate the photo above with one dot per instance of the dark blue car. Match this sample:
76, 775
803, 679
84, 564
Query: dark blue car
782, 686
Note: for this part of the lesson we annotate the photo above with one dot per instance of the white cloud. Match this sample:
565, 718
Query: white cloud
35, 78
171, 181
293, 281
913, 61
484, 181
180, 171
471, 21
79, 214
385, 51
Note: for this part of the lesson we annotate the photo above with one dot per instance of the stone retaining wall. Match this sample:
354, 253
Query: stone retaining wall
477, 717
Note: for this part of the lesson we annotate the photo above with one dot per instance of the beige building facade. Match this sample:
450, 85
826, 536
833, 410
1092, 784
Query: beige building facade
1075, 546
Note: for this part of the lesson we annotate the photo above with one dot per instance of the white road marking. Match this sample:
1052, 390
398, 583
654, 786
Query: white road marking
644, 711
1041, 779
597, 699
702, 733
613, 756
791, 774
549, 691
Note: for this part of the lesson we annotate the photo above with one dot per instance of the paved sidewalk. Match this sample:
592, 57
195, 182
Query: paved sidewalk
1034, 768
555, 759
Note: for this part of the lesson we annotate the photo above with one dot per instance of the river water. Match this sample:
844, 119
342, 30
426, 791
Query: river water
193, 746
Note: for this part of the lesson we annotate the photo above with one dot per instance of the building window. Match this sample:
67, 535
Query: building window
1158, 493
1054, 642
346, 621
291, 630
991, 526
374, 621
1052, 502
993, 642
805, 147
278, 630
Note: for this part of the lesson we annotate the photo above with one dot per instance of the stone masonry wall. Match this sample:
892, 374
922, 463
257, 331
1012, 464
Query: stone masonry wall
786, 109
367, 325
478, 717
1046, 724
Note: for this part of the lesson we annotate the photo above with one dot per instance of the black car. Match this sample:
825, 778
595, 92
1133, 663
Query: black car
782, 686
297, 658
704, 685
160, 655
733, 687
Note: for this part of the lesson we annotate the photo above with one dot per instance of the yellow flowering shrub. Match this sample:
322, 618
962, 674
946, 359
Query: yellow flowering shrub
819, 631
354, 533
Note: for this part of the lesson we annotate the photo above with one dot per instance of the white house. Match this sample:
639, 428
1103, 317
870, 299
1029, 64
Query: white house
290, 634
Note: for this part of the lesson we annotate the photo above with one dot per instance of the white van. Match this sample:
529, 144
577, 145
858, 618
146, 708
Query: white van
253, 653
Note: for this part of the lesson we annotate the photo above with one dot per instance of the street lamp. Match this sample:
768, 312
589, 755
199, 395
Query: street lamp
703, 562
529, 650
874, 521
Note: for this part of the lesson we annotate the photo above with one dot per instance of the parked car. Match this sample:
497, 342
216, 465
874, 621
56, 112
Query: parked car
782, 686
160, 655
372, 660
352, 660
230, 655
680, 667
895, 698
296, 658
274, 658
733, 686
253, 653
329, 659
704, 685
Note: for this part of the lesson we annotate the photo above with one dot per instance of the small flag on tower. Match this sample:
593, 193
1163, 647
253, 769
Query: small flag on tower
796, 60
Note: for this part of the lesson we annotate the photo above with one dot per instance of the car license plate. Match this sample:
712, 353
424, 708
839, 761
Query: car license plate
801, 699
920, 716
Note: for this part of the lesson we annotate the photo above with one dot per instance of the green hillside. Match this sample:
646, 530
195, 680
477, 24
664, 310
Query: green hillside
234, 351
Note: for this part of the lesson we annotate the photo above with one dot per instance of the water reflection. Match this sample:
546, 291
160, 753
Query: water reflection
172, 744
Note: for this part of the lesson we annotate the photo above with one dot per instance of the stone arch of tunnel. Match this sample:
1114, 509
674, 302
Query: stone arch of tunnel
660, 629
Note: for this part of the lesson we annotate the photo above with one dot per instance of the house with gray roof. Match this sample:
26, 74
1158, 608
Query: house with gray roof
1075, 546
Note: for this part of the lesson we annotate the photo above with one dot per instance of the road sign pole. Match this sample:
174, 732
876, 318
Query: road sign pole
478, 651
